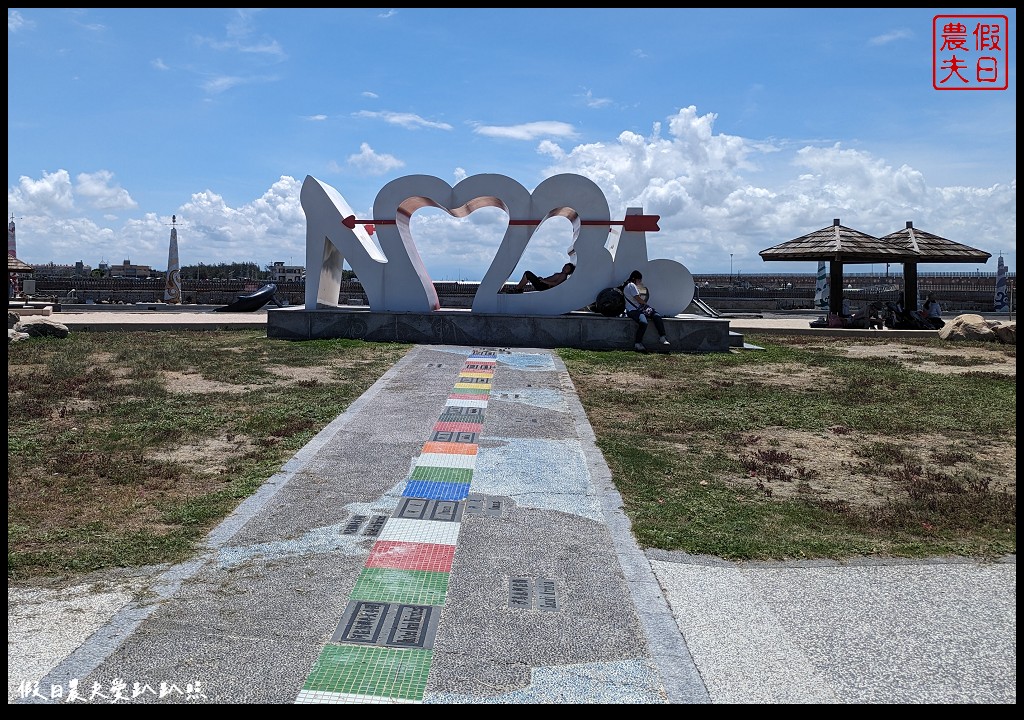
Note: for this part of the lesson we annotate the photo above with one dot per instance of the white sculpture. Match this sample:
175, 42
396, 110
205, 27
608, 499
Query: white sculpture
395, 279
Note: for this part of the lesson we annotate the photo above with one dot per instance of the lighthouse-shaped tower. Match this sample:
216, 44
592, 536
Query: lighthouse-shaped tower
172, 288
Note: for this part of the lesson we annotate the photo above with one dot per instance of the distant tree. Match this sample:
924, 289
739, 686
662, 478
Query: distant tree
224, 271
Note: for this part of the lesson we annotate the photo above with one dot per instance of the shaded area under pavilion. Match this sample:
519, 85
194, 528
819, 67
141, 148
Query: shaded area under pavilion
16, 267
840, 246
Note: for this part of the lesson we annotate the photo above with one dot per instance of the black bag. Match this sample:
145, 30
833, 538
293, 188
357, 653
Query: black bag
610, 302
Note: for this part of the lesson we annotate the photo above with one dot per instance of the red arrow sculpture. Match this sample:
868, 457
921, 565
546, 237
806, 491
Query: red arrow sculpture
632, 223
350, 222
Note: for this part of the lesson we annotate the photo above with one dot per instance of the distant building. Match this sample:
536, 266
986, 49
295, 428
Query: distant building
52, 270
127, 270
287, 273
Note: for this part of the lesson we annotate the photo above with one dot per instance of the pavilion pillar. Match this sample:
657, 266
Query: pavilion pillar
910, 286
835, 292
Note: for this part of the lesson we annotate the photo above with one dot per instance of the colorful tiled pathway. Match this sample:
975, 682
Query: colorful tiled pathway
383, 647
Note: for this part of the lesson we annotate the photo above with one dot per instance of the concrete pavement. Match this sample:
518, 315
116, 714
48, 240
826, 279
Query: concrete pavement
454, 537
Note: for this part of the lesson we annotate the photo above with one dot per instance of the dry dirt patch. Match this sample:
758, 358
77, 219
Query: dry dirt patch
953, 360
194, 383
831, 466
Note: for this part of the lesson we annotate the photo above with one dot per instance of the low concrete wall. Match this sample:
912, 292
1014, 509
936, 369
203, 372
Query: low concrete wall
582, 330
32, 308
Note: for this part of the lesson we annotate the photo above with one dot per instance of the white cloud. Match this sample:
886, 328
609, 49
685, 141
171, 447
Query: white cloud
409, 121
891, 36
93, 27
217, 85
373, 163
16, 21
528, 131
595, 102
239, 38
51, 194
547, 147
97, 189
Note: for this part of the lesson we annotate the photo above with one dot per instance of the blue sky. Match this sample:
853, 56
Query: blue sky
742, 128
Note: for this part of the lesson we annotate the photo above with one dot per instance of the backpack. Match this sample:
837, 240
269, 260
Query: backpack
610, 302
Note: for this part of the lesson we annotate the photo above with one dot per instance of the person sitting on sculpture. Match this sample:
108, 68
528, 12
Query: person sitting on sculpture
542, 283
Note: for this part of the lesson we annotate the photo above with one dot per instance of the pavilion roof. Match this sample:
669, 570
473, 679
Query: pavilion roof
842, 244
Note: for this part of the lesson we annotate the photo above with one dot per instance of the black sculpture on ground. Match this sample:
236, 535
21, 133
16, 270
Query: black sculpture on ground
253, 301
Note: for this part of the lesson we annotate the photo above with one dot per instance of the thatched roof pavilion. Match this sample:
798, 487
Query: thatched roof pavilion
14, 265
839, 246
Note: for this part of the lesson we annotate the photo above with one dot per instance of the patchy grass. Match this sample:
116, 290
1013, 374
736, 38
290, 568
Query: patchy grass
811, 448
125, 448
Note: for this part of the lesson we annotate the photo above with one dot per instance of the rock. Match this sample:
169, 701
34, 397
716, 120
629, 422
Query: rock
1005, 331
12, 319
43, 327
967, 327
975, 327
14, 335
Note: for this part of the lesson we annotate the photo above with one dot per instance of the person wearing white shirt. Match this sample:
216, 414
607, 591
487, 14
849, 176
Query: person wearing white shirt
933, 312
642, 313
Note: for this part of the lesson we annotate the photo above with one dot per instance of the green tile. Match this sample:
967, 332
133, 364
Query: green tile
371, 671
442, 474
414, 587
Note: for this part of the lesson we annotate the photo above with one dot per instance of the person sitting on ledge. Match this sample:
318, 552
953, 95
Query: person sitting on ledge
545, 283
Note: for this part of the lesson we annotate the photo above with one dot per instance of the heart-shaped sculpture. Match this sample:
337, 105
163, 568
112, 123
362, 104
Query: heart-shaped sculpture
569, 196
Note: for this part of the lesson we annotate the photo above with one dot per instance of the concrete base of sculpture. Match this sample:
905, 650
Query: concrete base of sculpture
582, 330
